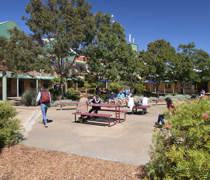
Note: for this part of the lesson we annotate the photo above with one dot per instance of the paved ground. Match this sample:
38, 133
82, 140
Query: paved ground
27, 117
127, 142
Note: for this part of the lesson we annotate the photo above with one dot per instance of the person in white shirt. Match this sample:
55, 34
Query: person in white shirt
145, 101
130, 102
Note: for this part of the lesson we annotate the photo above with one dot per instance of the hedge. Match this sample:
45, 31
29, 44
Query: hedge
181, 150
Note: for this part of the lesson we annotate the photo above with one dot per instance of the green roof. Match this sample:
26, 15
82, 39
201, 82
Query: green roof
5, 27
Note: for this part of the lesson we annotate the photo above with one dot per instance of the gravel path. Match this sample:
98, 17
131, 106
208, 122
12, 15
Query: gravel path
21, 162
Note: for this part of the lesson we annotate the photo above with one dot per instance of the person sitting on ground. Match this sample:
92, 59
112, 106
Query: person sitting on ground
95, 100
171, 110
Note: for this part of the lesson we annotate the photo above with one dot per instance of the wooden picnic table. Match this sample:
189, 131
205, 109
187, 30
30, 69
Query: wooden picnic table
117, 109
143, 107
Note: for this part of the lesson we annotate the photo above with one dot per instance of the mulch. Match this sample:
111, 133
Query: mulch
27, 163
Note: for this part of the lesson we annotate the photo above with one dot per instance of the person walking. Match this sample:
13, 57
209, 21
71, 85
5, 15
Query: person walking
44, 99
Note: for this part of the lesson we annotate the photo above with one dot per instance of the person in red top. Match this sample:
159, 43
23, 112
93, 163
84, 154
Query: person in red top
170, 105
44, 99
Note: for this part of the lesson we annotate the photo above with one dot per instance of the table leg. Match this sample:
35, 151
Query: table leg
117, 114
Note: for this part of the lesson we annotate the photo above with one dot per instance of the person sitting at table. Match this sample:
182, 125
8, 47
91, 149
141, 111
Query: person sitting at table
95, 100
111, 98
120, 95
130, 102
120, 99
144, 101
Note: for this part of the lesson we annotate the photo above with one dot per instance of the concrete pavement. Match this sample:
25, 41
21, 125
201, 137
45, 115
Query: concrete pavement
127, 142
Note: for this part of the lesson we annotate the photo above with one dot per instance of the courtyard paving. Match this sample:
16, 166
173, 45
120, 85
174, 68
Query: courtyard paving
128, 142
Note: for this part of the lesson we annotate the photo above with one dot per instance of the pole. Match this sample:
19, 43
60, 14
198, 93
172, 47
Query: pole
37, 85
4, 87
18, 93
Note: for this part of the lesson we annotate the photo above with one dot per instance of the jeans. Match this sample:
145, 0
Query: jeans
161, 119
44, 113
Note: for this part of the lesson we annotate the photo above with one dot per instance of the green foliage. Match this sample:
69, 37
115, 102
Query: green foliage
139, 88
21, 53
115, 87
110, 57
183, 150
56, 80
29, 98
55, 93
158, 58
72, 94
64, 25
9, 125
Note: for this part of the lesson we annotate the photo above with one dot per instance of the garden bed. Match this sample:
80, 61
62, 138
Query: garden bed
21, 162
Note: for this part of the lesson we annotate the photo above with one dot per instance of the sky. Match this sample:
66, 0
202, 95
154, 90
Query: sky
177, 21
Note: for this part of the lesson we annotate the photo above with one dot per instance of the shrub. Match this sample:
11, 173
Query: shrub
139, 88
115, 87
72, 94
9, 126
29, 98
182, 150
55, 92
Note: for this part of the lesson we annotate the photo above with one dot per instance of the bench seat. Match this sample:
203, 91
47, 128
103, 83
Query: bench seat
93, 115
96, 115
143, 107
140, 107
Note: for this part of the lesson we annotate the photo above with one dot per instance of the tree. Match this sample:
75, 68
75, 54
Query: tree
158, 58
21, 54
184, 67
201, 63
110, 57
61, 27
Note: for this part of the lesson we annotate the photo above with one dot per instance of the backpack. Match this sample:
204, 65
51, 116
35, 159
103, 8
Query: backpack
45, 97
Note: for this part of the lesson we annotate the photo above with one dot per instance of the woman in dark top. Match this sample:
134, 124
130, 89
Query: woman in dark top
171, 109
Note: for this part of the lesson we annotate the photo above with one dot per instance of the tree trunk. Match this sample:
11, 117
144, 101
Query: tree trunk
157, 88
182, 88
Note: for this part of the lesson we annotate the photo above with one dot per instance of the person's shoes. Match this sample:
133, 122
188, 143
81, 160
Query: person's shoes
46, 126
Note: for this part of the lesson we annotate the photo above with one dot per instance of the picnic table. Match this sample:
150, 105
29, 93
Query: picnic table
117, 110
143, 107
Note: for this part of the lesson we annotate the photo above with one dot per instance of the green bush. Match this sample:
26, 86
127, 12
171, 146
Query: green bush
9, 126
139, 88
29, 98
72, 94
115, 87
181, 150
55, 93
